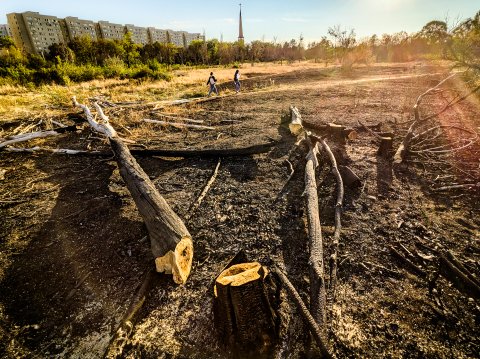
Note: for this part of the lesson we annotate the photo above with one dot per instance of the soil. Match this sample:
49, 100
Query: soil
74, 250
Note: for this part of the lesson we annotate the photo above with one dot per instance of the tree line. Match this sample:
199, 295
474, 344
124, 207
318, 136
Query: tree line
84, 59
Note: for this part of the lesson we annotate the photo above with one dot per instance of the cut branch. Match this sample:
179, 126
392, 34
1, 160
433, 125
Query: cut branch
171, 243
205, 190
33, 135
317, 333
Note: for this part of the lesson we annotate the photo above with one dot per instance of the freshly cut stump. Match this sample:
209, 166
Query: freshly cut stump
244, 317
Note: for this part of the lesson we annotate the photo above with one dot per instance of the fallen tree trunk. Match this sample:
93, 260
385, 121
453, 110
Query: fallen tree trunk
317, 333
317, 276
33, 135
459, 278
206, 153
171, 243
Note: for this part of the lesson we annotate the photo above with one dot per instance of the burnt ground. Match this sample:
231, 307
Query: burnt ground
73, 249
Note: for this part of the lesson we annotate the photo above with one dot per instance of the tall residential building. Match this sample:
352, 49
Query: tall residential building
192, 37
157, 35
4, 30
176, 37
109, 31
139, 34
77, 27
34, 32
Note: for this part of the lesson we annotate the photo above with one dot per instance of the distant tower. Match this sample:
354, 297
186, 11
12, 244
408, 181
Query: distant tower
240, 27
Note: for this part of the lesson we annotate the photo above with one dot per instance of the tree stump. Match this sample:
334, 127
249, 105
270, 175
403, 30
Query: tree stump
350, 179
244, 317
386, 147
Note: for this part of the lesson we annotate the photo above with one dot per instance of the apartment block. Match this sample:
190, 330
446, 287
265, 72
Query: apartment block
176, 37
34, 32
76, 27
157, 35
192, 37
109, 31
139, 34
4, 30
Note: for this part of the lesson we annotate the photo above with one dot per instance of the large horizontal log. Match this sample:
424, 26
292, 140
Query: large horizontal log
171, 243
206, 153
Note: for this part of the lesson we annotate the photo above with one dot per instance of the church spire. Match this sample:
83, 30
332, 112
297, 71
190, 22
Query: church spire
240, 27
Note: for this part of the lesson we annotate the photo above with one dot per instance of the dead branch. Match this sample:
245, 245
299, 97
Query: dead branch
317, 274
33, 135
404, 146
338, 214
204, 192
374, 134
412, 267
460, 266
461, 280
58, 151
178, 124
302, 308
171, 242
177, 118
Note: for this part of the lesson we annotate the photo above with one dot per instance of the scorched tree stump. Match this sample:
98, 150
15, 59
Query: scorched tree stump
244, 318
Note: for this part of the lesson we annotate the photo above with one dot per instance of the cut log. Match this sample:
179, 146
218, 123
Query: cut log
244, 318
385, 149
295, 125
171, 243
317, 275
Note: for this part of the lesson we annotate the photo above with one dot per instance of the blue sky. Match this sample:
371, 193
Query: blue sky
262, 19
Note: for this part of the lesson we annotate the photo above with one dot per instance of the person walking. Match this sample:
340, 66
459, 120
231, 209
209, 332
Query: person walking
236, 81
212, 81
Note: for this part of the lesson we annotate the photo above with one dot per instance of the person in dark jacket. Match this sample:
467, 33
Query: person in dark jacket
236, 81
212, 81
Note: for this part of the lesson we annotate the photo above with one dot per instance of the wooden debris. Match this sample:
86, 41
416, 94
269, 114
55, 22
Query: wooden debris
317, 333
463, 281
244, 318
204, 192
33, 135
171, 243
178, 124
350, 179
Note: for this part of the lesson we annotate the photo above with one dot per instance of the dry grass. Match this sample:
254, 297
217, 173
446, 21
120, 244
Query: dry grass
23, 102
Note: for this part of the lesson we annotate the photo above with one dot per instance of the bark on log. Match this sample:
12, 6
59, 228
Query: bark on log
244, 318
295, 125
206, 153
338, 214
317, 275
307, 316
171, 243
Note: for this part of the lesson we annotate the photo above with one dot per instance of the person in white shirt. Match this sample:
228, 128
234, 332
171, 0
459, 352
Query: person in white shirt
212, 81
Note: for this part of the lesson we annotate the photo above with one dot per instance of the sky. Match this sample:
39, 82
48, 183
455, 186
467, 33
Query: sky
268, 20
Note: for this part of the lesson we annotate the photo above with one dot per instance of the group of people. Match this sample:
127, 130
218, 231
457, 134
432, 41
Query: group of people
212, 83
